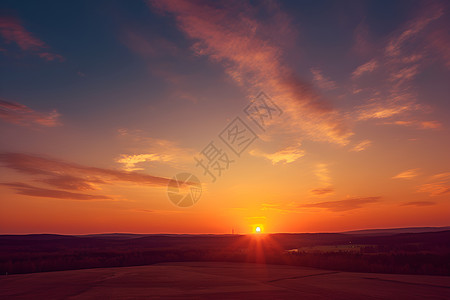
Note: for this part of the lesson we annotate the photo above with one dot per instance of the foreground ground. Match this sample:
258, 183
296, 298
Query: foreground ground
202, 280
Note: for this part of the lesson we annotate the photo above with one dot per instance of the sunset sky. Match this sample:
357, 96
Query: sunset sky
103, 102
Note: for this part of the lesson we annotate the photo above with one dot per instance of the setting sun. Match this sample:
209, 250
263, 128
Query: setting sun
258, 229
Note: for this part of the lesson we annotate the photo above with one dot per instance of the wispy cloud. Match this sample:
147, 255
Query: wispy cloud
230, 34
419, 203
363, 45
12, 31
322, 173
361, 146
29, 190
368, 67
148, 149
405, 54
70, 176
440, 42
15, 113
286, 155
414, 27
321, 81
323, 191
436, 185
343, 205
409, 174
417, 124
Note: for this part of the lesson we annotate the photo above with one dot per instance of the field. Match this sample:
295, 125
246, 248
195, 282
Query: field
213, 280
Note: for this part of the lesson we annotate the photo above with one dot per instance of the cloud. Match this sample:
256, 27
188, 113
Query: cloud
229, 33
380, 109
20, 114
440, 42
70, 176
322, 173
29, 190
130, 161
436, 185
12, 31
148, 149
412, 29
419, 203
323, 176
322, 191
409, 174
368, 67
363, 45
404, 55
321, 81
286, 156
361, 146
343, 205
417, 124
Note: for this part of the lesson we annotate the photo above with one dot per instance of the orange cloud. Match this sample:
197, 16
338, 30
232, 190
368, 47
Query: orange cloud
437, 185
417, 124
147, 149
440, 41
363, 145
404, 55
29, 190
419, 203
70, 176
20, 114
322, 191
429, 14
321, 81
368, 67
343, 205
287, 155
230, 34
409, 174
12, 31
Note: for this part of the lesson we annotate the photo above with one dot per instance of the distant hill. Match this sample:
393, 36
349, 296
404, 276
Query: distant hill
391, 231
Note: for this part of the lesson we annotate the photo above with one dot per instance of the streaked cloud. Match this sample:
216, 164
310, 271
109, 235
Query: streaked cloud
70, 176
16, 113
402, 59
419, 203
363, 45
368, 67
436, 185
343, 205
361, 146
409, 174
417, 124
412, 29
29, 190
440, 41
148, 149
12, 31
322, 191
230, 34
322, 173
321, 81
286, 156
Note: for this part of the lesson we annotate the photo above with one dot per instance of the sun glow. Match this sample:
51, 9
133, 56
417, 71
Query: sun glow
258, 229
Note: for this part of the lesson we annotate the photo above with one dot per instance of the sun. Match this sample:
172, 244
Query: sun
258, 229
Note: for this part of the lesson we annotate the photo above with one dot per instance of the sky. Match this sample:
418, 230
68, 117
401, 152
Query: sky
292, 116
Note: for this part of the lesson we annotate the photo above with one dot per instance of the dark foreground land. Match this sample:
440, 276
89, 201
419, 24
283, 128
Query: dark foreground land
420, 253
214, 280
